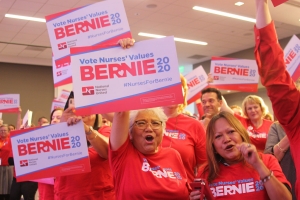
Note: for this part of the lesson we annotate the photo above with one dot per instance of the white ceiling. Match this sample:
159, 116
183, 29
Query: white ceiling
170, 17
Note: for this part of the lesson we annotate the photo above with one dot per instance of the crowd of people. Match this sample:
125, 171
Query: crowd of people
162, 153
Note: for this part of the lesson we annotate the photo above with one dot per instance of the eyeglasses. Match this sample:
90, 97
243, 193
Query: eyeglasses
143, 124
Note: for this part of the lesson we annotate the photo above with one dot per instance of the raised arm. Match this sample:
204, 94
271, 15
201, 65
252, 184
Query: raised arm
263, 17
97, 140
119, 132
269, 56
225, 107
19, 119
277, 143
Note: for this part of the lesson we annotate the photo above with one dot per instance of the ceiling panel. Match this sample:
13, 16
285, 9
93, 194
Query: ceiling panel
2, 46
27, 5
173, 10
67, 3
166, 17
12, 49
143, 5
29, 53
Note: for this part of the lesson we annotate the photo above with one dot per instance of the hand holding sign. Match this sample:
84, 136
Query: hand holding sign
126, 43
67, 114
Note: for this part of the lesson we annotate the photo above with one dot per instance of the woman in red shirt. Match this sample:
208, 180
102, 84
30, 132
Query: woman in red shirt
235, 170
94, 185
46, 191
185, 134
255, 110
6, 171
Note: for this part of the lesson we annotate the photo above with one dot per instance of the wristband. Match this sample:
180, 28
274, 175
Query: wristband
267, 177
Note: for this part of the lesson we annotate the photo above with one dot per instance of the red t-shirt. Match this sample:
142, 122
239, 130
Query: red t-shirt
199, 107
5, 151
156, 176
187, 136
46, 191
94, 185
242, 181
258, 136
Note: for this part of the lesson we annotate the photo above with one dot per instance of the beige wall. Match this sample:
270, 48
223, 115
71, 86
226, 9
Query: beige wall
33, 83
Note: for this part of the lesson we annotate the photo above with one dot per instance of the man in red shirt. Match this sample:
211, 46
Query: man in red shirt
211, 102
281, 89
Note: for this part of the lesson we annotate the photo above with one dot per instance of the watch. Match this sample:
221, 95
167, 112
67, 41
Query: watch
91, 130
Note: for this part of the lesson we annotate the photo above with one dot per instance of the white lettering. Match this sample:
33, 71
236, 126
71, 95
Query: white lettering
232, 189
145, 167
219, 191
249, 187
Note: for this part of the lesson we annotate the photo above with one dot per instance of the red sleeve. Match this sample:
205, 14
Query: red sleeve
200, 110
105, 130
272, 163
200, 147
116, 158
243, 120
281, 89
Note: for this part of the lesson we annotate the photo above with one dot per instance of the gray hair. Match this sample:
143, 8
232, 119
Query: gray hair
158, 111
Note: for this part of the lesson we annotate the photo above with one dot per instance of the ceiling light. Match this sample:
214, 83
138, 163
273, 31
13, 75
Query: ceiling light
25, 18
216, 12
239, 3
176, 39
228, 91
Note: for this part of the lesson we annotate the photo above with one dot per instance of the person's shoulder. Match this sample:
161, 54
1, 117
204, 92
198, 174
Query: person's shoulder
267, 122
266, 158
169, 151
189, 119
203, 171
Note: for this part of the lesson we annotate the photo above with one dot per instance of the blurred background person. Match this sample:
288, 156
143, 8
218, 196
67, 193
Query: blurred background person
11, 127
255, 110
46, 191
237, 110
94, 185
185, 134
42, 120
269, 116
278, 145
6, 171
211, 102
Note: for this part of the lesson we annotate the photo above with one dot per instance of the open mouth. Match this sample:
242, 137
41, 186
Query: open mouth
149, 138
229, 147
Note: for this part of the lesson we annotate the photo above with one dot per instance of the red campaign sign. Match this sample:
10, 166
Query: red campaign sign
278, 2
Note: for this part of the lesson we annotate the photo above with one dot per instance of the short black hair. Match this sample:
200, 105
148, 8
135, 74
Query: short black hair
215, 90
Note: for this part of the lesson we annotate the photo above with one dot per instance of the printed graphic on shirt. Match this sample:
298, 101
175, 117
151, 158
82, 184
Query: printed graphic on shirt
255, 134
236, 187
175, 134
159, 172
